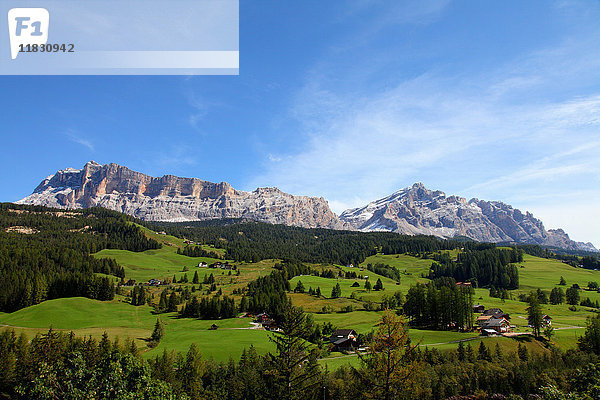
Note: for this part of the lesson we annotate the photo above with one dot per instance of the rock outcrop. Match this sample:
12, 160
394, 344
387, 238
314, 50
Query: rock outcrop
171, 198
417, 210
413, 210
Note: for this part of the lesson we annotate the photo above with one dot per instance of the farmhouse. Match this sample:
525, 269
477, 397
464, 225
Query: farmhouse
478, 308
498, 325
261, 318
343, 339
546, 320
463, 284
202, 265
154, 282
496, 313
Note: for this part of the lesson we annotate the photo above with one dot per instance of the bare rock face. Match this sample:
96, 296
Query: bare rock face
414, 210
171, 198
417, 210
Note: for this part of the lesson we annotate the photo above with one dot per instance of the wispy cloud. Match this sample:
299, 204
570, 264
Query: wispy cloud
200, 109
77, 137
528, 127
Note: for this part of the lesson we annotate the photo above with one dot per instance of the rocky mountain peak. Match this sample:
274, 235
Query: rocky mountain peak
418, 210
172, 198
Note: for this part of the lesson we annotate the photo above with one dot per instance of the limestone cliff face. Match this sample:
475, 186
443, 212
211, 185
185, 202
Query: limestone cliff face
413, 210
171, 198
417, 210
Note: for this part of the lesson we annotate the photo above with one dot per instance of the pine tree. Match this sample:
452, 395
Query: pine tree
158, 332
461, 351
522, 352
163, 301
562, 281
483, 352
367, 285
196, 279
173, 301
386, 368
336, 291
534, 313
318, 291
299, 287
378, 285
294, 367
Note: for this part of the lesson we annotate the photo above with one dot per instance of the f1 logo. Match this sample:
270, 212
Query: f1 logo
27, 26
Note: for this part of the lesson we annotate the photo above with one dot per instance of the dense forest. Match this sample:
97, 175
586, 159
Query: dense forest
442, 306
489, 267
45, 253
254, 241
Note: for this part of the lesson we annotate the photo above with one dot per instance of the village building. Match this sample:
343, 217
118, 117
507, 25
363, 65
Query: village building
270, 325
481, 319
343, 339
154, 282
546, 321
495, 326
496, 313
478, 308
262, 317
202, 265
214, 327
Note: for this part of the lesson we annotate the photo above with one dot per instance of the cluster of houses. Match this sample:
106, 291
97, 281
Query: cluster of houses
496, 322
218, 265
151, 282
191, 242
266, 321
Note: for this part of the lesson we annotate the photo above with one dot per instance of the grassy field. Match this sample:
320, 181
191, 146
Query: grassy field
87, 317
155, 264
117, 318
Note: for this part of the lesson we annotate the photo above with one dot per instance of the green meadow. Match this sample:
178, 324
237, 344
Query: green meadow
88, 317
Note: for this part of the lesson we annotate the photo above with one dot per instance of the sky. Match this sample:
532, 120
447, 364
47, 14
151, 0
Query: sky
352, 101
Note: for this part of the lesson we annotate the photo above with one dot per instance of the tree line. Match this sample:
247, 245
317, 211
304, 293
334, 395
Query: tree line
442, 307
255, 241
488, 267
46, 254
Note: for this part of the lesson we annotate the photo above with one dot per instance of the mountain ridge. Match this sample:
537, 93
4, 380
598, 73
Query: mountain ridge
174, 199
418, 210
412, 210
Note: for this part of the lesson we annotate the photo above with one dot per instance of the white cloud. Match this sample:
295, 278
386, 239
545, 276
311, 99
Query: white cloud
529, 128
78, 138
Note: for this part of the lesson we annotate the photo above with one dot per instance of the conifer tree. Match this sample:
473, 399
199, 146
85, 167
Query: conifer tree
158, 332
294, 370
387, 369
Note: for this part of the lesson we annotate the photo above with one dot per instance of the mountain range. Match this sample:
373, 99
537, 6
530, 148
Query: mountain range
413, 210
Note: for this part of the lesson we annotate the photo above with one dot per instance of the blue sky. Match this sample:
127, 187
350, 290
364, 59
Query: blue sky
350, 100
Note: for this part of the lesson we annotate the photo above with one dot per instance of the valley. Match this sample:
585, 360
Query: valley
88, 317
